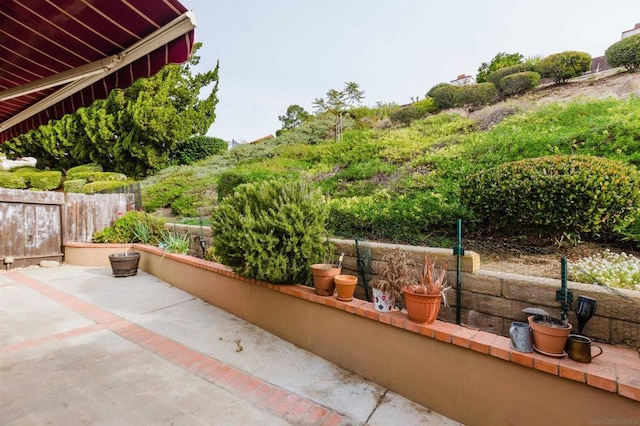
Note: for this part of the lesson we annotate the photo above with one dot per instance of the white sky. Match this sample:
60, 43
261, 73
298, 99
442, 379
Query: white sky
277, 53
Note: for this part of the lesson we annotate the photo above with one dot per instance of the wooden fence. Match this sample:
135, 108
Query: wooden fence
34, 225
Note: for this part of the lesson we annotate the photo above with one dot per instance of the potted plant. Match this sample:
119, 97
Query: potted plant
323, 274
345, 286
549, 334
394, 276
124, 264
423, 300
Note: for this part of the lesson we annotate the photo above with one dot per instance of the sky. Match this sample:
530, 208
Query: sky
275, 53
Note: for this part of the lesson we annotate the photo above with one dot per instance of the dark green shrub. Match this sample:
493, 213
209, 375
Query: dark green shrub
272, 231
93, 187
560, 67
73, 185
196, 148
229, 180
99, 176
518, 83
446, 96
91, 167
625, 53
475, 95
415, 111
499, 74
556, 195
437, 86
45, 181
12, 180
123, 230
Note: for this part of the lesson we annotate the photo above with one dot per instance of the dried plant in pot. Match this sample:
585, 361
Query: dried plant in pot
549, 334
396, 274
423, 300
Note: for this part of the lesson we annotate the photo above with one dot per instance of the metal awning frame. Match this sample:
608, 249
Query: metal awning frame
78, 78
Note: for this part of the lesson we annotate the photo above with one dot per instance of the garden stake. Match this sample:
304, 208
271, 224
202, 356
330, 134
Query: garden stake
458, 251
360, 263
564, 295
202, 242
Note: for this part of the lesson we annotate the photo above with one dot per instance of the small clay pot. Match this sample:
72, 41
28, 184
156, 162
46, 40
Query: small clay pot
323, 274
345, 286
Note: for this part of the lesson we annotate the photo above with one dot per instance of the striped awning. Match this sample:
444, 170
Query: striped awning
59, 55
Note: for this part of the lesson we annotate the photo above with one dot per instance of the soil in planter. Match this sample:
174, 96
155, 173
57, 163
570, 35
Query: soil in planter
549, 321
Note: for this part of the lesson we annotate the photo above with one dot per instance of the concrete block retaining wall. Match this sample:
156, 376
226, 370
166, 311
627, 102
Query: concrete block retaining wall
490, 300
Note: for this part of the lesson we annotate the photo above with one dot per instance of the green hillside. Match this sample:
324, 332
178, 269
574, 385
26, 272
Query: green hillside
403, 183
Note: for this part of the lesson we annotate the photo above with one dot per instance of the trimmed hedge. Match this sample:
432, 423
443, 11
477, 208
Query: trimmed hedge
45, 181
197, 148
501, 73
415, 111
272, 231
556, 195
73, 185
445, 97
91, 167
12, 180
99, 176
518, 83
625, 53
25, 170
93, 187
475, 95
561, 67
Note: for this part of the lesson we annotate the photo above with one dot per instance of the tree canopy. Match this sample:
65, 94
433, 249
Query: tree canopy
133, 130
501, 60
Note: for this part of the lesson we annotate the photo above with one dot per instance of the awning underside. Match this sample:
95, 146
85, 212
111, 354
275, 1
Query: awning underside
58, 56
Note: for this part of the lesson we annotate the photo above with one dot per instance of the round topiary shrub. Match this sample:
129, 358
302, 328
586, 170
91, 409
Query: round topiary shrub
475, 95
501, 73
556, 195
91, 167
272, 231
518, 83
625, 53
447, 96
560, 67
73, 185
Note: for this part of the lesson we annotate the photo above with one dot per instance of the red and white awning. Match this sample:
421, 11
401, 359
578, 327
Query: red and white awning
59, 55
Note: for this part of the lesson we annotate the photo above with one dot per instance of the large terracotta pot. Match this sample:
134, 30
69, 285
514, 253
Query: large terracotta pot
549, 340
422, 308
323, 274
124, 264
345, 286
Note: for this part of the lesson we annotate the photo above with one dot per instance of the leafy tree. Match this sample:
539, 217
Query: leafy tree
132, 131
501, 60
294, 117
338, 101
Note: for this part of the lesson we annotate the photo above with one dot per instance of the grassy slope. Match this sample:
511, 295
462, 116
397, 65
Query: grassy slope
402, 184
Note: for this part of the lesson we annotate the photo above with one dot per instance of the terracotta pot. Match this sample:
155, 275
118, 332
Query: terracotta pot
422, 308
345, 286
323, 274
124, 264
383, 301
549, 340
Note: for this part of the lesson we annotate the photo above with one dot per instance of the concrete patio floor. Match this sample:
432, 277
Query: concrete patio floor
78, 346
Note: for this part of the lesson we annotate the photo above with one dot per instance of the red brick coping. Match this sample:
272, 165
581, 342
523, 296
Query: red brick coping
617, 370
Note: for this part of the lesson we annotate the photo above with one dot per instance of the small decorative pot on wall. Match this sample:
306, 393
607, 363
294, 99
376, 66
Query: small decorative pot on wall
124, 264
549, 335
422, 308
383, 301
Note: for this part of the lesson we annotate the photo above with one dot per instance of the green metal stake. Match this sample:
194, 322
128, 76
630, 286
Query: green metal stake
458, 251
564, 295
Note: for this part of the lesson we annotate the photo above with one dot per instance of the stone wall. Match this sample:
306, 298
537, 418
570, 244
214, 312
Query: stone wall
490, 300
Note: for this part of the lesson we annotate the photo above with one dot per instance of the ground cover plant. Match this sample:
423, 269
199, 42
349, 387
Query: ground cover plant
403, 184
